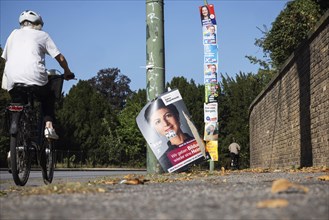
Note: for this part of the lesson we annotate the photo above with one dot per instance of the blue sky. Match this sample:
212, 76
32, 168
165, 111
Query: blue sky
94, 35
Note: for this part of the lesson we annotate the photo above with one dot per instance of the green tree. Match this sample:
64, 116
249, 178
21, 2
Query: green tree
289, 29
235, 97
4, 100
125, 145
113, 85
81, 118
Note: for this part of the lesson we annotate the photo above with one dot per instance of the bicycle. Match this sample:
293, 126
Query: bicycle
26, 129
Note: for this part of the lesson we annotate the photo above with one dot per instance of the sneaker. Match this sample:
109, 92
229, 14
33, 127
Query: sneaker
50, 133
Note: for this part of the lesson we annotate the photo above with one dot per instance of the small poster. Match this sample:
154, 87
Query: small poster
210, 112
211, 131
212, 148
211, 92
210, 75
207, 14
209, 34
165, 125
210, 54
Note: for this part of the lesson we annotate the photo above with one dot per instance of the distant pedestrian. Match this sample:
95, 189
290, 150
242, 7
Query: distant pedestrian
234, 149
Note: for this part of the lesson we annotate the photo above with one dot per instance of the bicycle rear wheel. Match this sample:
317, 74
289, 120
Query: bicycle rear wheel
47, 160
20, 157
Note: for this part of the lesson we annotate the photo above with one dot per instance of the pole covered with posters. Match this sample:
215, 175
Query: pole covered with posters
155, 63
209, 38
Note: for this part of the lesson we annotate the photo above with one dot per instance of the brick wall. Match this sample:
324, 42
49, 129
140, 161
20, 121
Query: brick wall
289, 120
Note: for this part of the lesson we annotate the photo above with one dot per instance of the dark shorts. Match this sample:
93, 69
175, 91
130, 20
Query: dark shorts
43, 94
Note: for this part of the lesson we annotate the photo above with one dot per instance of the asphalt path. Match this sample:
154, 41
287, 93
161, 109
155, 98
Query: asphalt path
234, 195
67, 175
75, 174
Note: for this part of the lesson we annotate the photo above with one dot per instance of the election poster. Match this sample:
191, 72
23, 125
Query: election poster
210, 58
210, 76
209, 34
211, 131
207, 14
211, 92
210, 54
212, 148
210, 112
163, 123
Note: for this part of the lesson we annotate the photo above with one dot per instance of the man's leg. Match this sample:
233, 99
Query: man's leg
237, 161
232, 160
47, 100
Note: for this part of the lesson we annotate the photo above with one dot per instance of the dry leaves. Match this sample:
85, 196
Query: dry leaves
273, 203
222, 169
309, 169
280, 186
131, 179
283, 185
324, 178
105, 181
257, 170
134, 181
2, 193
65, 188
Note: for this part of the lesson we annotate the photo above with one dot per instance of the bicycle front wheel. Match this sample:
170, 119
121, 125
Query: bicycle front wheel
47, 160
19, 158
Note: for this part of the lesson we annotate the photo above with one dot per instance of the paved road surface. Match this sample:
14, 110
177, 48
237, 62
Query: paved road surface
231, 196
73, 175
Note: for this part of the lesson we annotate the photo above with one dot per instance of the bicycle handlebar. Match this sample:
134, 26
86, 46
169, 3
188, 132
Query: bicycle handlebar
52, 77
71, 76
56, 74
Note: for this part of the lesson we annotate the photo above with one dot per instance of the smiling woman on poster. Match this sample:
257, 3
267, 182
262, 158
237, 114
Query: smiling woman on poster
165, 120
166, 126
207, 14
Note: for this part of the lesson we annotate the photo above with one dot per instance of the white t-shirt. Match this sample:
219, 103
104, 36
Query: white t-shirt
24, 53
234, 148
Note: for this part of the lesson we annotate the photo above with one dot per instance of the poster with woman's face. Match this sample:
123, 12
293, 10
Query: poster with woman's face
207, 14
167, 132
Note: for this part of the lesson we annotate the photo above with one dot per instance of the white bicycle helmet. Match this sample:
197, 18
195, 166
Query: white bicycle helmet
30, 16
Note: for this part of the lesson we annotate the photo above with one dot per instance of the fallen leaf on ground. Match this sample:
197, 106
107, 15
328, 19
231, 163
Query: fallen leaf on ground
109, 182
101, 190
135, 181
222, 171
273, 203
324, 178
283, 185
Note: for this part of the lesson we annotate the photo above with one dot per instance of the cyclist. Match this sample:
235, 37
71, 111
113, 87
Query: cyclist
24, 53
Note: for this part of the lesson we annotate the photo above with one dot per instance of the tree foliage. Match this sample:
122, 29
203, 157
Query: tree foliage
113, 85
81, 117
289, 29
4, 99
125, 145
236, 95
